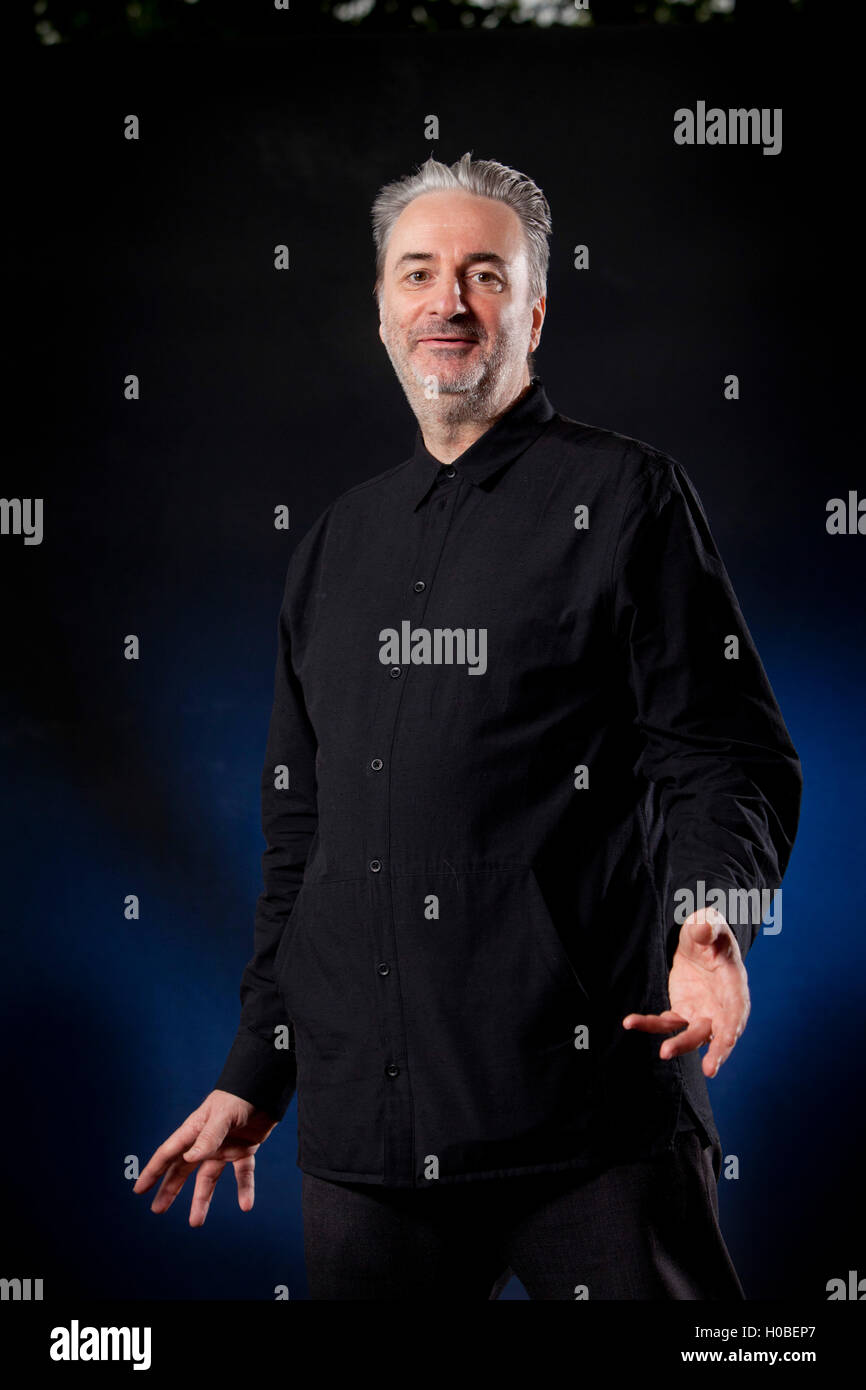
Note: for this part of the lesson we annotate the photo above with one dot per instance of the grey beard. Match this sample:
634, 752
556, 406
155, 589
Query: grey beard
458, 400
455, 406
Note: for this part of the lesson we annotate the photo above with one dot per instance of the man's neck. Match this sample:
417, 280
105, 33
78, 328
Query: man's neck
446, 440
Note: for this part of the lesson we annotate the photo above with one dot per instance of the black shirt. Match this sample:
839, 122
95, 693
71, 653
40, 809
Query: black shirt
506, 729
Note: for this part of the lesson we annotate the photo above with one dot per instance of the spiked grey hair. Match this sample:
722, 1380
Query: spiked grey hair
487, 179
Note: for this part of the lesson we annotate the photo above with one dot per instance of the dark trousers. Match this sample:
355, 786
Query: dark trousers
639, 1230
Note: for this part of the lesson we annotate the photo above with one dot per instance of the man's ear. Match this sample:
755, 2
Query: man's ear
539, 309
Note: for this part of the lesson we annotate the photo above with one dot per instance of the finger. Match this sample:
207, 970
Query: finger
705, 924
174, 1179
245, 1176
206, 1180
710, 943
699, 1031
174, 1146
209, 1140
720, 1049
702, 932
665, 1022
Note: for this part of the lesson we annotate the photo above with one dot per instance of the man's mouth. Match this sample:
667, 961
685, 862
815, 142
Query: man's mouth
449, 342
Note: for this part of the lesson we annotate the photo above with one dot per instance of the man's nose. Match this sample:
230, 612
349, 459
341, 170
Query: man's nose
447, 298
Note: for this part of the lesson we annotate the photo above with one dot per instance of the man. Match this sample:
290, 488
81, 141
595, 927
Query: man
519, 730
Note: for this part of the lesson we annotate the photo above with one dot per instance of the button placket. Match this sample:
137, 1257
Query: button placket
398, 1101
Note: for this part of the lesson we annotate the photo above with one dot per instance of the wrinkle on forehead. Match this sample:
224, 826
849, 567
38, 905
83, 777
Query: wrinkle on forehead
461, 215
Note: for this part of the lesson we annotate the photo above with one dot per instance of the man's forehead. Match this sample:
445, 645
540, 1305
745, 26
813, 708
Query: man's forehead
455, 214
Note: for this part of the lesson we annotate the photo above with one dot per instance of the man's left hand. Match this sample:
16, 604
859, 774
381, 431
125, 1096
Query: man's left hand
709, 993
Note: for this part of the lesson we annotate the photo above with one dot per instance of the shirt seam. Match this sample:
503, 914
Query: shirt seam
465, 866
654, 465
585, 1160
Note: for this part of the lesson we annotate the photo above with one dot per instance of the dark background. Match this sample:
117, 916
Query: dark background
261, 388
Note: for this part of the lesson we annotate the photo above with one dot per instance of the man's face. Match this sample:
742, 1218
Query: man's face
454, 310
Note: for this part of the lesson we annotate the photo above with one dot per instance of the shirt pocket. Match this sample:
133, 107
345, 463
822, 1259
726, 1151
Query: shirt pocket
325, 968
482, 972
559, 959
290, 933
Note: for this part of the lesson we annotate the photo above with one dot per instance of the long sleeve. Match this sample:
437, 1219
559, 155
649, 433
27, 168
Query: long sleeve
255, 1069
715, 745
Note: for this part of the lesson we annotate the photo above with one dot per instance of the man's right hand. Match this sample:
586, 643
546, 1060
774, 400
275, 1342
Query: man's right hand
224, 1129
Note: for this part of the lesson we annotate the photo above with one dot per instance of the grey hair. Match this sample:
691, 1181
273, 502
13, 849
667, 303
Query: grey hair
487, 179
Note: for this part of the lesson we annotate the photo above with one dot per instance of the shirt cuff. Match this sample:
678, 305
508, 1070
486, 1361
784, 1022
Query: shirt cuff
259, 1073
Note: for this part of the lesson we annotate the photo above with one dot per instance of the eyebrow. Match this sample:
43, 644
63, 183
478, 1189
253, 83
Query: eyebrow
490, 256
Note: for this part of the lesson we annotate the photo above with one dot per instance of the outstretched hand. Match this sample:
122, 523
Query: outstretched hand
709, 993
224, 1129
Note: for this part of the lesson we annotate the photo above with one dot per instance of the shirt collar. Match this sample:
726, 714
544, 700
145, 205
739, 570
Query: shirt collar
512, 433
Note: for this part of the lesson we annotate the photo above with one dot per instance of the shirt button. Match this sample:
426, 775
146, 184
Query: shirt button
392, 1069
376, 764
419, 586
394, 672
448, 471
384, 968
375, 865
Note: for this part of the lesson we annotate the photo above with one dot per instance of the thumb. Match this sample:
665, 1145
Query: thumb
704, 925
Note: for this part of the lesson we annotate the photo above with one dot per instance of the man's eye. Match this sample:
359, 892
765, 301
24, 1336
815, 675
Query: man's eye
490, 277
